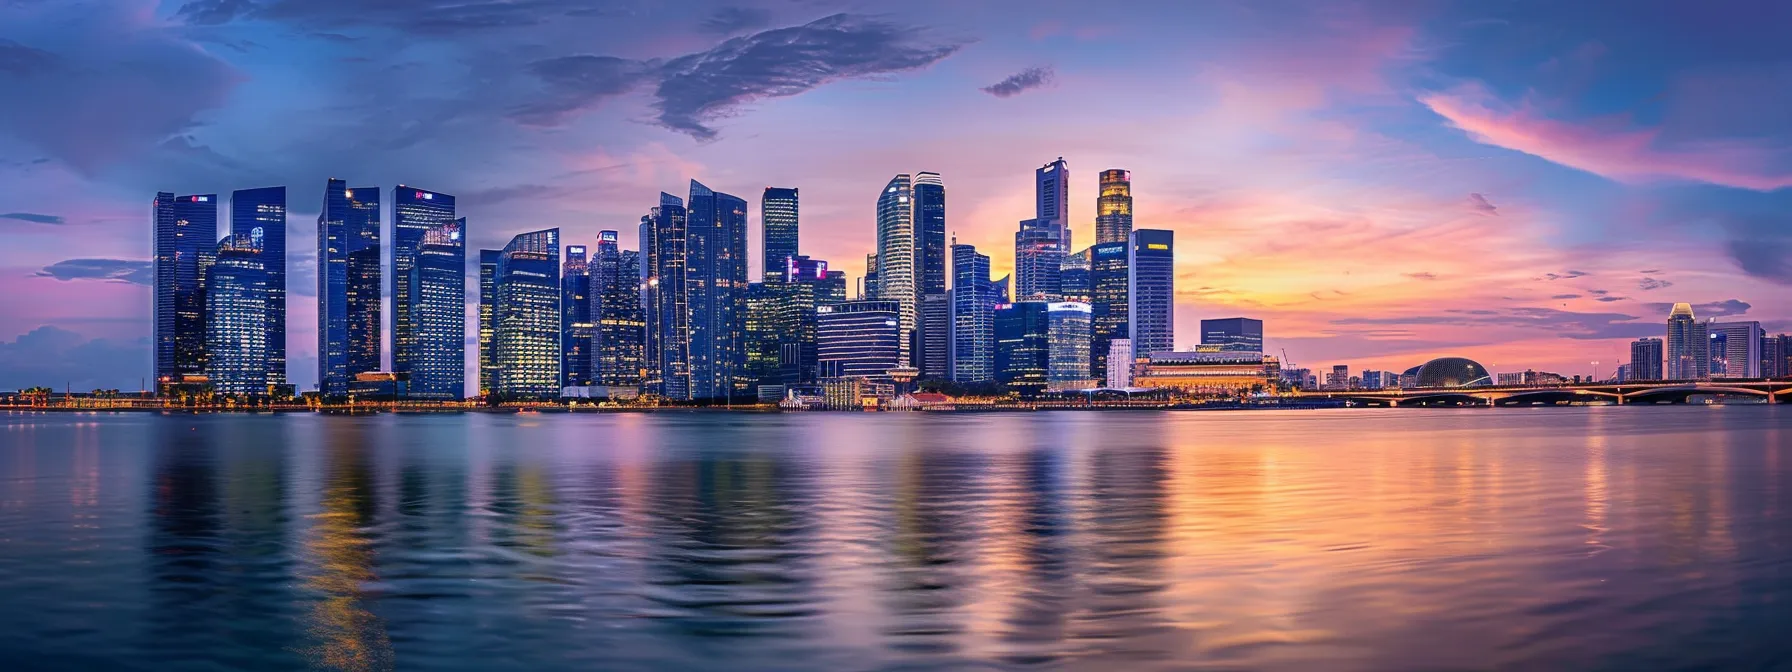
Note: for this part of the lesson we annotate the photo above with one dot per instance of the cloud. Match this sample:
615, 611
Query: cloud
434, 17
731, 20
1730, 308
1017, 83
1564, 297
115, 270
1765, 259
1559, 323
32, 217
213, 12
1421, 276
697, 89
1479, 203
56, 357
1564, 275
19, 59
573, 83
1651, 284
1611, 146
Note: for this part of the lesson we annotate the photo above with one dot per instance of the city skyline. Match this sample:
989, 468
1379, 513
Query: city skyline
1320, 198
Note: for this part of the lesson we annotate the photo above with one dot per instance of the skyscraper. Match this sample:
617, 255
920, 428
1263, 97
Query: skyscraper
576, 326
858, 338
1151, 292
1108, 281
1113, 208
526, 319
1051, 187
1773, 357
616, 308
185, 239
414, 213
778, 217
1023, 346
716, 283
1068, 338
1119, 361
935, 308
1688, 345
664, 298
236, 314
1740, 354
488, 296
348, 286
1038, 261
896, 279
1645, 359
261, 214
1074, 276
1233, 334
973, 316
438, 312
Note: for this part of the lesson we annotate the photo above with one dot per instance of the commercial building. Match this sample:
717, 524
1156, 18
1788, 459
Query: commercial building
1688, 345
488, 296
1023, 346
1233, 333
1645, 360
1051, 192
934, 308
1119, 362
577, 327
1216, 373
896, 279
716, 287
348, 286
1113, 207
1735, 349
664, 299
414, 213
858, 338
1038, 261
778, 216
1108, 280
1074, 277
1773, 357
526, 319
236, 313
1068, 340
261, 215
438, 314
973, 316
618, 340
1151, 291
184, 239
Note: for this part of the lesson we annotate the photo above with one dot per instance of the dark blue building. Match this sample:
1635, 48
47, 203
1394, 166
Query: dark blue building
526, 317
933, 339
778, 219
348, 286
716, 283
1023, 346
665, 300
414, 213
438, 285
261, 215
185, 236
1151, 291
575, 318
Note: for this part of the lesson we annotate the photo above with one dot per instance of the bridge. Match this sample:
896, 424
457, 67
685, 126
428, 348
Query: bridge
1672, 392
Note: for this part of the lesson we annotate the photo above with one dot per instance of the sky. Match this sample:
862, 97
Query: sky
1529, 184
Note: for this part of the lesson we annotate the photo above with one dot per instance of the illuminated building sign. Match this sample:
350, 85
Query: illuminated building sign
1157, 246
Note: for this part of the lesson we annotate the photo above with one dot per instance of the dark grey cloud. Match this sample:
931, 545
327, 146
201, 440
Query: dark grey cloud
437, 17
1651, 284
1564, 297
697, 89
1764, 258
213, 12
18, 59
731, 20
1612, 299
1479, 203
573, 83
1730, 308
1422, 276
56, 357
1564, 275
32, 217
1560, 323
1020, 82
115, 270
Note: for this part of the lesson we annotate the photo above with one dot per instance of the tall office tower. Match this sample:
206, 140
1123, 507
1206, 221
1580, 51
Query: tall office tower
1233, 334
1151, 292
1119, 360
1067, 338
1740, 356
778, 221
488, 296
651, 379
1023, 346
1074, 276
1038, 261
868, 284
185, 239
933, 327
1688, 345
1113, 208
348, 286
438, 317
1051, 186
526, 319
811, 284
414, 213
858, 338
1645, 359
716, 283
764, 316
261, 214
576, 323
1108, 281
616, 296
236, 314
999, 288
664, 298
896, 263
973, 316
832, 289
1773, 357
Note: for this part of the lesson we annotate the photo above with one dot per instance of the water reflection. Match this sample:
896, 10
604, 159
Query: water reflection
344, 633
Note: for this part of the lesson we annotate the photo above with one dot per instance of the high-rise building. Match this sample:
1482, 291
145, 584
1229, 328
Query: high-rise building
1075, 276
348, 286
1645, 359
778, 221
858, 338
185, 230
488, 297
716, 286
438, 313
414, 213
1241, 334
526, 319
1038, 261
973, 316
1113, 207
896, 279
1688, 345
261, 214
934, 335
999, 289
1023, 346
1151, 292
1051, 187
616, 307
1108, 281
764, 316
1119, 360
868, 288
664, 298
1068, 340
1339, 378
236, 314
1773, 357
1735, 349
576, 324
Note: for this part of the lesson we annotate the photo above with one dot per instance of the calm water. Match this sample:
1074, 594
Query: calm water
1592, 538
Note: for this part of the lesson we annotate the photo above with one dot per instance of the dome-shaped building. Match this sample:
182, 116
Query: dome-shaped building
1449, 372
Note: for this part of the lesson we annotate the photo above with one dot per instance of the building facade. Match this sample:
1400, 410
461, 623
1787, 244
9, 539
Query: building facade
184, 237
1038, 261
1051, 190
1735, 349
933, 326
526, 318
438, 315
1645, 360
716, 287
1119, 361
261, 214
1151, 291
1108, 281
778, 219
488, 296
1241, 334
620, 330
1068, 338
1688, 345
1023, 346
348, 286
664, 298
858, 339
1113, 207
973, 317
896, 263
576, 323
236, 318
414, 213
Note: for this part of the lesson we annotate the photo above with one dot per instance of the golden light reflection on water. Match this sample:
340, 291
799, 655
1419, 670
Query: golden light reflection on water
345, 634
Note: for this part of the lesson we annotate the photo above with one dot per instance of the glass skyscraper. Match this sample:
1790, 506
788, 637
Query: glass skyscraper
858, 338
414, 213
1068, 339
896, 257
1113, 207
1688, 345
348, 286
1108, 282
1735, 349
778, 218
1038, 261
488, 295
1645, 359
1073, 277
438, 314
237, 318
1023, 346
934, 307
261, 214
185, 235
576, 324
1241, 334
526, 318
1051, 188
664, 298
716, 287
973, 316
616, 296
1151, 293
